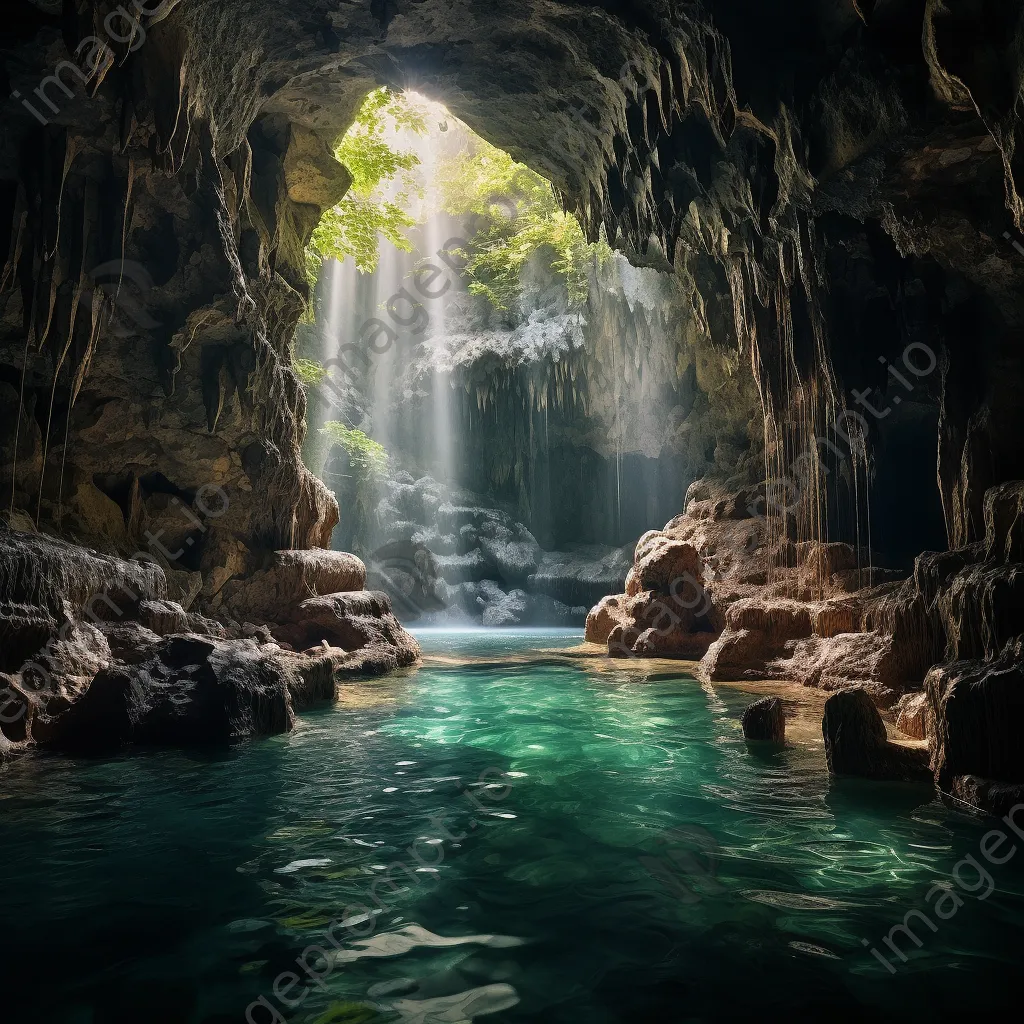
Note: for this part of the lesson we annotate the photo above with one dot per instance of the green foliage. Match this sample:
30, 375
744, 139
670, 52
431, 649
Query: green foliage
309, 371
521, 215
354, 226
364, 453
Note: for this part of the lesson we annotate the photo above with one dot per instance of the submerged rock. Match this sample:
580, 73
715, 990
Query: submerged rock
765, 720
856, 742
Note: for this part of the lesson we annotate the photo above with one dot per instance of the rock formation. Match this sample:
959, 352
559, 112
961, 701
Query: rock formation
95, 657
765, 721
835, 187
856, 742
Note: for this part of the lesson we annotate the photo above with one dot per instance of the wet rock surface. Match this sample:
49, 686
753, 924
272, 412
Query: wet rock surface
856, 742
105, 661
765, 721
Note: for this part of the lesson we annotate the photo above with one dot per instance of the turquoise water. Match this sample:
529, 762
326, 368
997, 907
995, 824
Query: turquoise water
633, 860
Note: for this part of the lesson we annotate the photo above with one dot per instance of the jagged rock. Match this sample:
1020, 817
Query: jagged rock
1004, 522
25, 630
765, 720
130, 642
50, 573
163, 617
189, 691
856, 741
976, 708
270, 594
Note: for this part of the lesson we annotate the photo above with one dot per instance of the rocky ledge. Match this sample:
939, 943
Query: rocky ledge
939, 654
94, 656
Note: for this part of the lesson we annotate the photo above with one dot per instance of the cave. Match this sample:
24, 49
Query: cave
511, 511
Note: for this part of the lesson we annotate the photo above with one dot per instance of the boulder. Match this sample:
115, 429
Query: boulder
660, 561
765, 720
736, 654
163, 617
360, 623
189, 691
677, 643
834, 663
272, 594
609, 612
856, 741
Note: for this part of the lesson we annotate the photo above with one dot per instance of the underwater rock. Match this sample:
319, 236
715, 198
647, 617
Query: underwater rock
856, 742
765, 720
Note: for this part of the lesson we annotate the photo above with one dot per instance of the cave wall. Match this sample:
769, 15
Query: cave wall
831, 181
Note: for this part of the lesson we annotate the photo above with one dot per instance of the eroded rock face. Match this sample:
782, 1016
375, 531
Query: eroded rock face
189, 691
124, 666
976, 707
360, 624
291, 577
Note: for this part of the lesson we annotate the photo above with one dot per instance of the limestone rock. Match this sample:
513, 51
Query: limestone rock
856, 741
608, 613
272, 594
912, 715
975, 709
189, 691
661, 561
765, 720
360, 623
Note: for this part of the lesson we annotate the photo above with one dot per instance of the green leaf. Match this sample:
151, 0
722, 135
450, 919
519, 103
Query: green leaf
353, 228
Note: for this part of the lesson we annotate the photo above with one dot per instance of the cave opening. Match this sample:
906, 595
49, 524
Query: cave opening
476, 367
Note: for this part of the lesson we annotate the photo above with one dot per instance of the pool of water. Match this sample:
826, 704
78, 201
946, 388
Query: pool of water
519, 838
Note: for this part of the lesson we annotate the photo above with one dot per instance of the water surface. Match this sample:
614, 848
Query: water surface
519, 837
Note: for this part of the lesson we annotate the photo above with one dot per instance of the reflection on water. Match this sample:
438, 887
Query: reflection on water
516, 838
